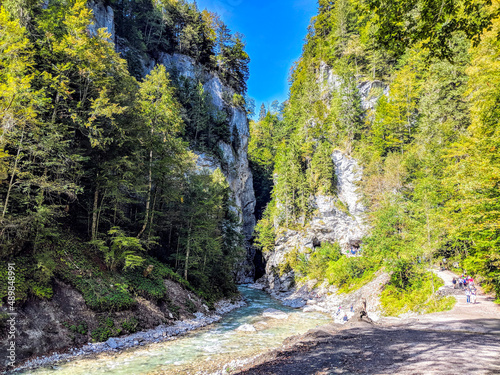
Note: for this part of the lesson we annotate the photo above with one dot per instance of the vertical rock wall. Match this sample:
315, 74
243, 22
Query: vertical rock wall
234, 163
337, 218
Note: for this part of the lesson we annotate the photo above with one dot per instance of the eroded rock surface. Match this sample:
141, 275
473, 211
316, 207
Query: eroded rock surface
337, 219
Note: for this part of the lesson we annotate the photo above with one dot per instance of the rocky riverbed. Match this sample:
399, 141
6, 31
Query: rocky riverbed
311, 296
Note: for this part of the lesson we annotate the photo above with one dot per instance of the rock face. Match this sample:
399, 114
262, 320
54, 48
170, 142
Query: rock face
338, 219
234, 162
368, 91
104, 17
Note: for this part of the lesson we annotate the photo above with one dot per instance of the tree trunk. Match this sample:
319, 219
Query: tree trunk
95, 210
99, 212
429, 244
152, 214
11, 182
187, 253
148, 201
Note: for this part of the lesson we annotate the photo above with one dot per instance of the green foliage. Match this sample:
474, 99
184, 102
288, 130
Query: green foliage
80, 328
322, 171
238, 100
90, 155
404, 23
206, 125
327, 263
191, 307
316, 265
122, 250
265, 234
416, 295
31, 280
130, 325
105, 330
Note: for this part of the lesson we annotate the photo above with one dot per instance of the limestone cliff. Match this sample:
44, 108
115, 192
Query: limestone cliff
234, 163
337, 218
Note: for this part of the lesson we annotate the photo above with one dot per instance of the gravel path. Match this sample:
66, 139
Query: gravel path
465, 340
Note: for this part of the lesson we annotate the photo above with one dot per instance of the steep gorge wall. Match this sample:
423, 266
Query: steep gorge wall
337, 218
234, 163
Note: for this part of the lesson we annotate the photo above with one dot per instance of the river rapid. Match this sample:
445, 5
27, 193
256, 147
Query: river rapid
205, 350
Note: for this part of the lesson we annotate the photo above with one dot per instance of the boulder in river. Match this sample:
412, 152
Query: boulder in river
246, 328
275, 314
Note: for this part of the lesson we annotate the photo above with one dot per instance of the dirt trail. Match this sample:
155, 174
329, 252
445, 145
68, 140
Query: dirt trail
465, 340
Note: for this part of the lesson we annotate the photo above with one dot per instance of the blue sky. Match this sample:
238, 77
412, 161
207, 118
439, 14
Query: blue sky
274, 31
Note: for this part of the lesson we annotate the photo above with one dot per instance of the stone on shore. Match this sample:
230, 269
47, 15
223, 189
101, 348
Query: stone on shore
112, 343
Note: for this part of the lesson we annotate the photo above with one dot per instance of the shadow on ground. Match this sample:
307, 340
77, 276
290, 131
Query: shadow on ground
427, 349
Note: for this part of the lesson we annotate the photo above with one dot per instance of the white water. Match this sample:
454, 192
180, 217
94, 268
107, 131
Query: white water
204, 350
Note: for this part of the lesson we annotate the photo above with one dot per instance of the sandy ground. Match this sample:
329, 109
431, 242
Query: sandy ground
465, 340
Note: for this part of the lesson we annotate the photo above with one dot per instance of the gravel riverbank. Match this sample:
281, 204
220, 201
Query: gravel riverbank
115, 344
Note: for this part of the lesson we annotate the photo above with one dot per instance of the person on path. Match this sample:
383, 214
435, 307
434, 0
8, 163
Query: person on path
461, 283
454, 283
467, 294
471, 281
473, 295
345, 318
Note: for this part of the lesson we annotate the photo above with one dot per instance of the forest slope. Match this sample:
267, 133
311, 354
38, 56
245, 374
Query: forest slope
427, 143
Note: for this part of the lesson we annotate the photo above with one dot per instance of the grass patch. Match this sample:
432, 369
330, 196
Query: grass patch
107, 291
358, 282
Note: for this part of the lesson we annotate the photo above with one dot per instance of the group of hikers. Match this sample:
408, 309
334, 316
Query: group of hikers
467, 283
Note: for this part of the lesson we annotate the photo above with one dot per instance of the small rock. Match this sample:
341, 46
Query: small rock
274, 314
112, 343
246, 328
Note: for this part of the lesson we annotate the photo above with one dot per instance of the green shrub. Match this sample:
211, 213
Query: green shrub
416, 295
327, 262
174, 309
191, 307
105, 330
81, 328
130, 325
150, 286
238, 100
123, 251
